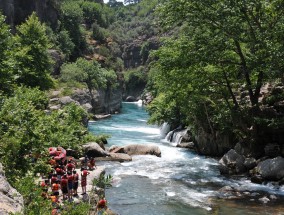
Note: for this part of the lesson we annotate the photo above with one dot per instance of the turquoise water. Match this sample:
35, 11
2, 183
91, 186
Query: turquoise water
180, 182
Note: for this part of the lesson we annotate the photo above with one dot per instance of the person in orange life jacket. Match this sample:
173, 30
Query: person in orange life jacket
70, 166
92, 164
84, 175
55, 188
70, 179
76, 183
64, 186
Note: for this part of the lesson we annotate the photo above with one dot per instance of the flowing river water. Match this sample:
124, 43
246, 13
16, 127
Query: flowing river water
178, 183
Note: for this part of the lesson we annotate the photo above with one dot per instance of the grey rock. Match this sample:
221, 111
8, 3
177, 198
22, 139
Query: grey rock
66, 100
271, 169
264, 200
250, 163
137, 149
10, 200
232, 163
93, 149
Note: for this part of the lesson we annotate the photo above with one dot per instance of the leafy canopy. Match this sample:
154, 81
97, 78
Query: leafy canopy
225, 49
32, 59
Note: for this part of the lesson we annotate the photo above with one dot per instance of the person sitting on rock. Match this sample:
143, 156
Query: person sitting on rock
92, 164
101, 206
84, 175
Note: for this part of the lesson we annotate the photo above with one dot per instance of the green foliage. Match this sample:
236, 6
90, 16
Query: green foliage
98, 33
65, 43
104, 181
32, 59
71, 19
31, 192
6, 76
135, 78
27, 132
92, 13
83, 71
223, 47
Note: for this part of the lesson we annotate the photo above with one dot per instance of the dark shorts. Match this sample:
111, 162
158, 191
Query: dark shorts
70, 185
64, 190
56, 193
75, 185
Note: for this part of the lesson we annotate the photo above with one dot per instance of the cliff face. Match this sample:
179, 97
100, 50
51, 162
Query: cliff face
136, 53
17, 11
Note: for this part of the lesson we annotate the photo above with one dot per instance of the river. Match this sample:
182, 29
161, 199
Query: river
178, 183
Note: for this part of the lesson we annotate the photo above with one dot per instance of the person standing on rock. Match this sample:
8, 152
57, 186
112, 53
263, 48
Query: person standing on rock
64, 186
70, 179
75, 183
84, 175
70, 166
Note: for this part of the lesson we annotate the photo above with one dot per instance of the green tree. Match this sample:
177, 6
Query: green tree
27, 132
6, 61
224, 49
65, 43
89, 73
92, 13
33, 61
71, 19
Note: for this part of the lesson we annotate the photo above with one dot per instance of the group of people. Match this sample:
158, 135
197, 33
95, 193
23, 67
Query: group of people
65, 179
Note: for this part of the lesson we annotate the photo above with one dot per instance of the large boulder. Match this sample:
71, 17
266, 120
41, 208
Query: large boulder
120, 157
10, 200
137, 149
232, 163
271, 169
93, 149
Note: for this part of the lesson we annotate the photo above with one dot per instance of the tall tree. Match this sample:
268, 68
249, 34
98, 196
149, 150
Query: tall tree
33, 61
6, 61
215, 68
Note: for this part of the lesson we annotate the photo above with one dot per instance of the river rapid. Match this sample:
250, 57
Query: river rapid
178, 183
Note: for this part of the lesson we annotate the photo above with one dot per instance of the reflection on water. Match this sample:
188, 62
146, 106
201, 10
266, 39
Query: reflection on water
180, 182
